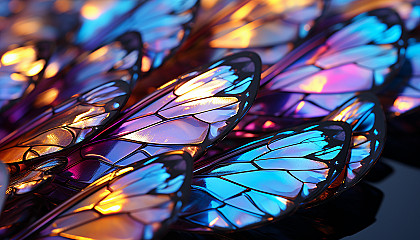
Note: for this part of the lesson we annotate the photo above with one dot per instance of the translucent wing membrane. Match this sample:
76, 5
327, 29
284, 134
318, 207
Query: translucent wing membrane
267, 27
163, 25
327, 70
407, 94
266, 179
366, 117
409, 10
136, 202
20, 69
71, 71
356, 55
76, 120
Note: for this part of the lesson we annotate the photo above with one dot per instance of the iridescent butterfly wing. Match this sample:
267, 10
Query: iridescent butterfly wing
409, 10
367, 120
269, 28
190, 113
361, 54
71, 71
266, 179
20, 70
135, 202
62, 127
163, 24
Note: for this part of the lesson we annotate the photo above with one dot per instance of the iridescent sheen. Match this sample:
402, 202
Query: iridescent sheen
409, 10
163, 24
266, 179
74, 121
70, 71
135, 202
361, 54
366, 117
269, 28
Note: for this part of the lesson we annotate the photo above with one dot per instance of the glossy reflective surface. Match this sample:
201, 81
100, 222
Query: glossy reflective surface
136, 202
266, 179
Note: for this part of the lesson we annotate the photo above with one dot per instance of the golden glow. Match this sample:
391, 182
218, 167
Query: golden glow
71, 236
300, 106
204, 90
146, 64
238, 38
18, 77
88, 207
213, 221
27, 26
102, 180
112, 204
32, 69
403, 103
52, 70
90, 11
207, 4
124, 170
167, 84
83, 115
98, 53
195, 82
244, 11
46, 98
191, 150
269, 124
26, 185
63, 5
316, 85
109, 209
17, 55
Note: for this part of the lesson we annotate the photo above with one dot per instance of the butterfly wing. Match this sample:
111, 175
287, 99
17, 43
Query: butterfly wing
189, 114
409, 10
269, 28
366, 117
329, 68
163, 24
136, 202
266, 179
76, 120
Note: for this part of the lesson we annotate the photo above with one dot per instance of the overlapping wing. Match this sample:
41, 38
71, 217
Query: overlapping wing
361, 54
266, 179
21, 67
163, 24
409, 10
136, 202
76, 120
190, 113
269, 28
366, 117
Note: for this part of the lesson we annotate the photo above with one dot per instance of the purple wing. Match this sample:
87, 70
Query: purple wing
190, 113
135, 202
62, 127
361, 54
163, 24
266, 179
269, 28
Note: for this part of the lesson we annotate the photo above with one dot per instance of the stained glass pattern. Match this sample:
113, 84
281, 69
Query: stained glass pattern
136, 202
327, 70
366, 117
76, 120
266, 179
268, 28
163, 24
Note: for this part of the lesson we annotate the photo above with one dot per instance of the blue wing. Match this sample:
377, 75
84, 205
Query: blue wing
135, 202
266, 179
